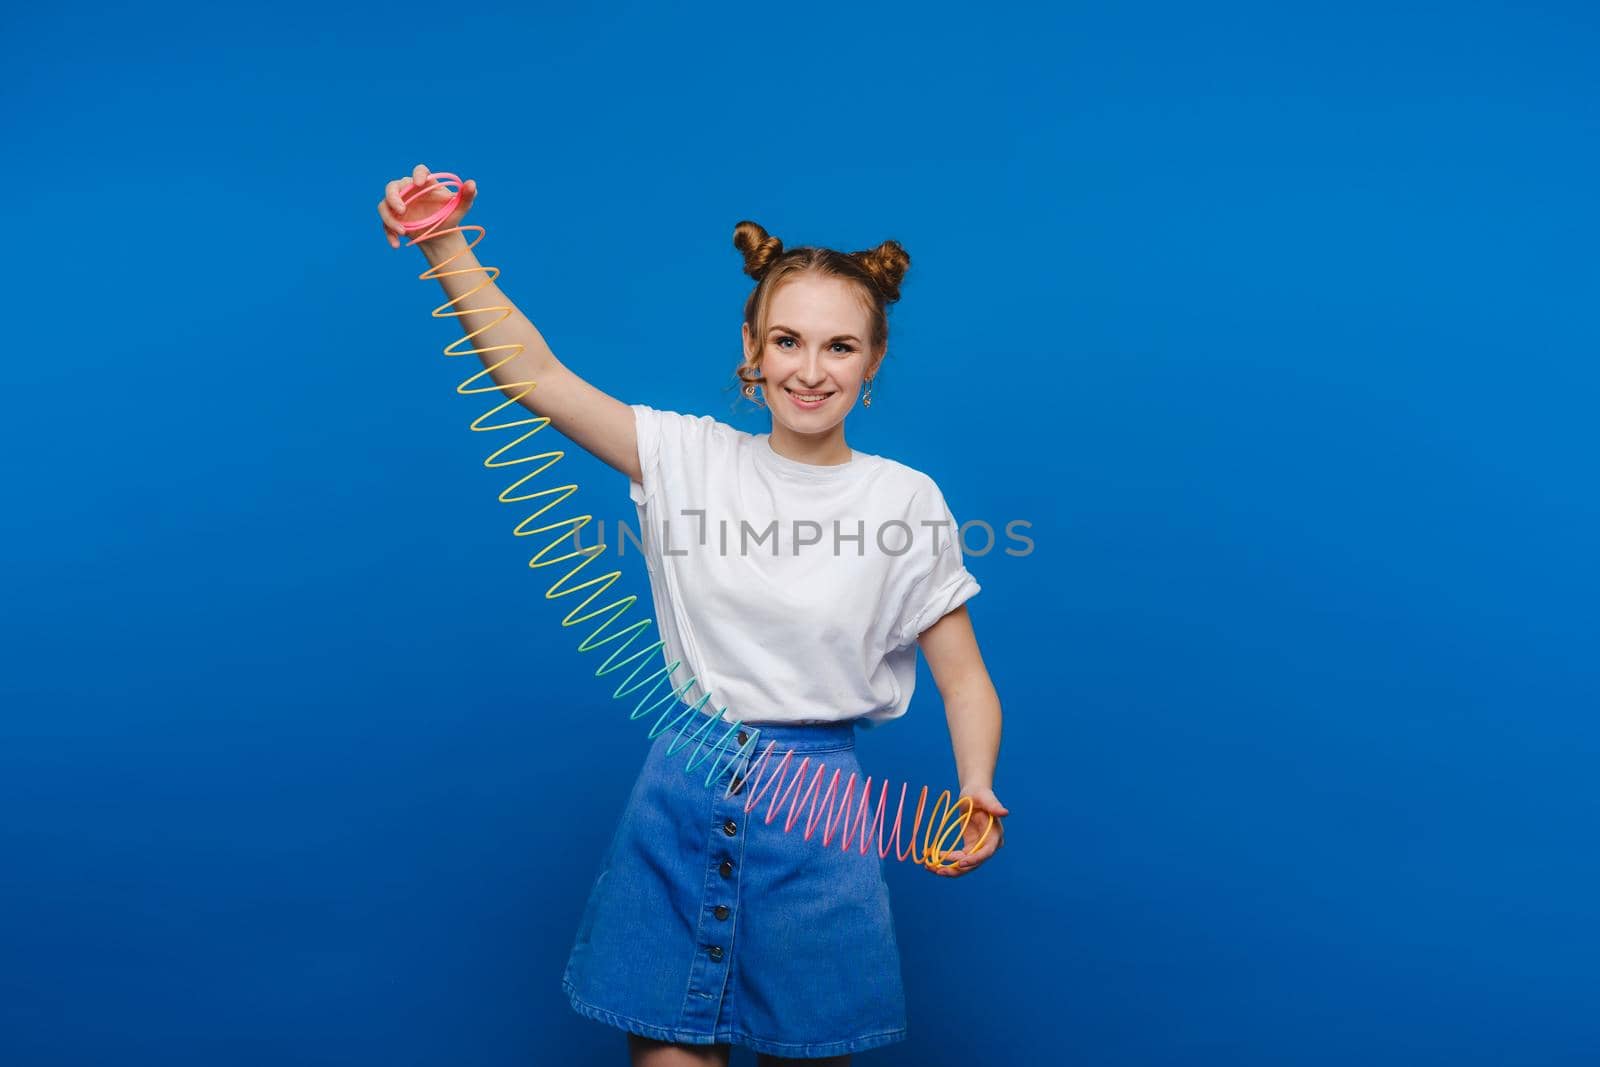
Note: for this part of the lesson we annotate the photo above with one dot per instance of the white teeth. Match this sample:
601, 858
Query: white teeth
810, 396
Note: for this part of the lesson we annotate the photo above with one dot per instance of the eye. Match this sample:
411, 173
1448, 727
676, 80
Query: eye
844, 345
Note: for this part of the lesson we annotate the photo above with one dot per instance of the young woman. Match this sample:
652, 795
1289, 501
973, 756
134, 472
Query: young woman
795, 579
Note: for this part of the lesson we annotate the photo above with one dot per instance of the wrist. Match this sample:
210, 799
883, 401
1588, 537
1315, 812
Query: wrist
442, 247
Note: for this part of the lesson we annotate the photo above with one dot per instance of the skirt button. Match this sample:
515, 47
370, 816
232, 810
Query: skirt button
721, 911
716, 952
730, 828
726, 868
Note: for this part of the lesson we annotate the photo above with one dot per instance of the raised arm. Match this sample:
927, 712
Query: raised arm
600, 423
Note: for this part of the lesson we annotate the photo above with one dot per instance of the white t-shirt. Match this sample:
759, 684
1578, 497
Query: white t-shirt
791, 592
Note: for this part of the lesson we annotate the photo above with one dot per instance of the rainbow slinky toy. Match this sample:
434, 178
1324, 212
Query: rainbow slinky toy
840, 810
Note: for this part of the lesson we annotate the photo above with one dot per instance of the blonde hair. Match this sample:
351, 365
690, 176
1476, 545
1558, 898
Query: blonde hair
875, 274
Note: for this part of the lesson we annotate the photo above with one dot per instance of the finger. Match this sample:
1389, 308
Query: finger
390, 221
398, 200
972, 859
991, 804
983, 812
985, 849
420, 174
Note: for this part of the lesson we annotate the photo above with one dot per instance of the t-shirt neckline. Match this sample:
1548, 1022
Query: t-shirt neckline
814, 471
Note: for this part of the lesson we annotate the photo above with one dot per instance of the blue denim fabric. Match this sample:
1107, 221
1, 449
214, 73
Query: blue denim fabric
805, 964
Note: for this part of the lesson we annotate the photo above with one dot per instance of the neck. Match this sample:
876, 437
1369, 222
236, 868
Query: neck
821, 449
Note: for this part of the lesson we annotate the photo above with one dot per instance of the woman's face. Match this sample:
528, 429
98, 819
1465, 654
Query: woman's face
816, 346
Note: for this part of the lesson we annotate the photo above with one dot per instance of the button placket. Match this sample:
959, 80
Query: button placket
736, 784
723, 881
722, 910
704, 1004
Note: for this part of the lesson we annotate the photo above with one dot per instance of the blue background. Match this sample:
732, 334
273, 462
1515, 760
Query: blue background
1277, 325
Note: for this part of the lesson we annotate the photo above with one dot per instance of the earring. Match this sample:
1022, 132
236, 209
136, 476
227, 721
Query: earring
866, 398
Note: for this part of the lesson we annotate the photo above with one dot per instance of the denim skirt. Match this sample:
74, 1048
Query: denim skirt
709, 926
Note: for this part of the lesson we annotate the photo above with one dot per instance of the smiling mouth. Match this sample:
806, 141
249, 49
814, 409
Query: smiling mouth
807, 396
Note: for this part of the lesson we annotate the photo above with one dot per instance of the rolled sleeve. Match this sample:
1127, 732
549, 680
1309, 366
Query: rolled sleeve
943, 590
940, 579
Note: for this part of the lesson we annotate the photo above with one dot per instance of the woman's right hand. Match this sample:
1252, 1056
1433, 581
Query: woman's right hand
393, 211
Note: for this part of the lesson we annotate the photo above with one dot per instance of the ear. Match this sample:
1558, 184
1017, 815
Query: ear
744, 333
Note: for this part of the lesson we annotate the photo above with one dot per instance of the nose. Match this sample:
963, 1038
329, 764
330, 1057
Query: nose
812, 371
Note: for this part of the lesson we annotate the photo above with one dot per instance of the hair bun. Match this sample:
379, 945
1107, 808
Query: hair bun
760, 248
887, 265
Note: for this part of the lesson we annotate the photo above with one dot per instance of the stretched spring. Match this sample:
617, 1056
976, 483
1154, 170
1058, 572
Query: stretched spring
836, 804
646, 668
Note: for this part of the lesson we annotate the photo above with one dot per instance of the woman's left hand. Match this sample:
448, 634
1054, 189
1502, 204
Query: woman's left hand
986, 815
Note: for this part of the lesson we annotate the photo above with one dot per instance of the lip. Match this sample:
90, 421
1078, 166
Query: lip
811, 405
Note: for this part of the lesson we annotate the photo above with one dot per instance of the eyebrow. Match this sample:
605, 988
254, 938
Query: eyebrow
836, 337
